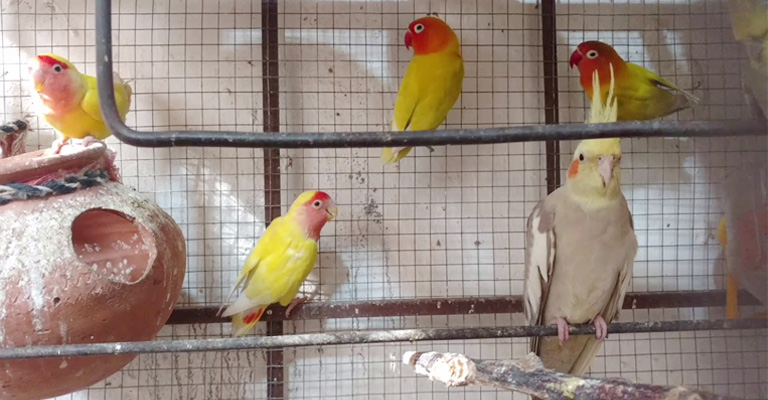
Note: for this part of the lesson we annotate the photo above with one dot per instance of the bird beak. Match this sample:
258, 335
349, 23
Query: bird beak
37, 76
332, 211
605, 168
408, 40
576, 58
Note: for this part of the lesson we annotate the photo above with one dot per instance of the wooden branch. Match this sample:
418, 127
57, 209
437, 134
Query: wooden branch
529, 376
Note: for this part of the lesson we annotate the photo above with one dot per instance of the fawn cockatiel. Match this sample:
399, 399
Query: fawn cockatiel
281, 261
581, 246
640, 94
70, 99
432, 83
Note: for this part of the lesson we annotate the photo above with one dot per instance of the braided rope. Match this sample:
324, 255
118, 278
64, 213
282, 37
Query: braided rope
12, 138
70, 184
12, 127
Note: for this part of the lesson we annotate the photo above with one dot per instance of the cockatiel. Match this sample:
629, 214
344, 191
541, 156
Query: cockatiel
281, 261
581, 246
640, 94
70, 99
432, 83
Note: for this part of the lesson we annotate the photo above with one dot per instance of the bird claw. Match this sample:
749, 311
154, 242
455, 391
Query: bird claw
58, 144
295, 302
89, 140
601, 328
562, 330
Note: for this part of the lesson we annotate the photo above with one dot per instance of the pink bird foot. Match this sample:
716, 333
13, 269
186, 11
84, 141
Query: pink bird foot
601, 328
562, 330
295, 302
58, 144
89, 140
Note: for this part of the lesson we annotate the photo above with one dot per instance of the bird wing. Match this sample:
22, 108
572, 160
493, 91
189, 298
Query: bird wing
91, 104
540, 259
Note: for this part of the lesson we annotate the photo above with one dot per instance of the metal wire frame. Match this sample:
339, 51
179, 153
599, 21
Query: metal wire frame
272, 139
357, 337
452, 306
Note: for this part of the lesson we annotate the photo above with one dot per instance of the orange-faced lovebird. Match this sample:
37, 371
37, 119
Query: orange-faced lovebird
640, 93
432, 83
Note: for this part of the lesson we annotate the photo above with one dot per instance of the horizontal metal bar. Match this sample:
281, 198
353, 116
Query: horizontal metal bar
381, 139
358, 337
451, 306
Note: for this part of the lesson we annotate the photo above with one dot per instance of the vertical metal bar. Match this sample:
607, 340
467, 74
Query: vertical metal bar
271, 111
551, 100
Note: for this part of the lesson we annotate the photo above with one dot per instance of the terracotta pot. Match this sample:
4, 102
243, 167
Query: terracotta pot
101, 264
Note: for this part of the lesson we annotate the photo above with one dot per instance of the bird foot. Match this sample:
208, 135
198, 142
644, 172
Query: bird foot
601, 328
295, 302
58, 144
89, 140
562, 330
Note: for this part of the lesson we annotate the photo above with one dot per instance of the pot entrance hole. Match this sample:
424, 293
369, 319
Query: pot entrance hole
112, 244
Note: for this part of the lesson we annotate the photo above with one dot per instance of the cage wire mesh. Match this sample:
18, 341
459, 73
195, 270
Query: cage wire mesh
442, 223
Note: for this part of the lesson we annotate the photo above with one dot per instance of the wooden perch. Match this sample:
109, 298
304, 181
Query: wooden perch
529, 376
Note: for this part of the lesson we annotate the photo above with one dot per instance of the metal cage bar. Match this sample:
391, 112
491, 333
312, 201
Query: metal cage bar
356, 337
452, 306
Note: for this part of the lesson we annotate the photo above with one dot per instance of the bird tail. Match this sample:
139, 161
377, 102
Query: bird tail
242, 323
685, 100
394, 154
391, 155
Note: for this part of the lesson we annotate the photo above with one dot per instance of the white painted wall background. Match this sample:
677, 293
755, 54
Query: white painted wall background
447, 223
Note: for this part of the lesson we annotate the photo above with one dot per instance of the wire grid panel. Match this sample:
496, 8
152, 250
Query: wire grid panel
424, 228
442, 223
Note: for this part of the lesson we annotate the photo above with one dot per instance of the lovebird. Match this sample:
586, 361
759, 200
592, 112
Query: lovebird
70, 99
432, 83
281, 261
641, 94
581, 246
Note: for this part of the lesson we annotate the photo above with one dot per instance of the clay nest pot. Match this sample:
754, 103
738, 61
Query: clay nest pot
101, 264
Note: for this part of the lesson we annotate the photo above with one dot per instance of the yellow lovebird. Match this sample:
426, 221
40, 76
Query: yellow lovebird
281, 261
432, 83
70, 99
640, 94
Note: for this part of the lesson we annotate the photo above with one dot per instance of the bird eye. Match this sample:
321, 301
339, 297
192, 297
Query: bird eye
581, 157
57, 68
418, 28
592, 54
317, 204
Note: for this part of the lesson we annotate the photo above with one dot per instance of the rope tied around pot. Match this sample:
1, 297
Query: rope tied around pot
12, 137
69, 184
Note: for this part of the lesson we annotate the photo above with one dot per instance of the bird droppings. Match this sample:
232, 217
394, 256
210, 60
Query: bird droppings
63, 364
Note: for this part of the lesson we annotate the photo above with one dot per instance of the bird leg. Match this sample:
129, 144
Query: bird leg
562, 330
295, 302
601, 328
58, 144
89, 140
